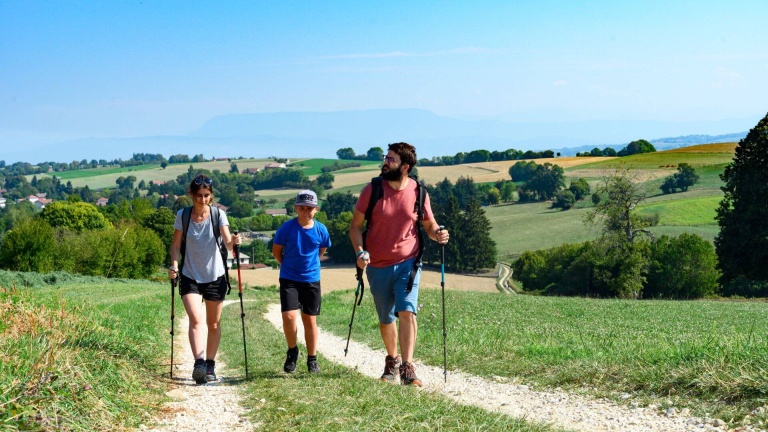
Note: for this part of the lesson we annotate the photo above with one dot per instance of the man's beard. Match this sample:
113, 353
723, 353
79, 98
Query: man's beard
391, 175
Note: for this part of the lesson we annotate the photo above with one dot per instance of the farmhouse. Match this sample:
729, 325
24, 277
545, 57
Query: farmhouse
244, 260
250, 171
221, 207
2, 202
41, 195
274, 166
32, 198
158, 182
42, 202
276, 212
102, 202
220, 159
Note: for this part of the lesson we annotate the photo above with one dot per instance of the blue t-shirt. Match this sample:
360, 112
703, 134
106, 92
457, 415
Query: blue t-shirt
301, 260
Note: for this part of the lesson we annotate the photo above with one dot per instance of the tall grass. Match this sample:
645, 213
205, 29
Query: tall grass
80, 357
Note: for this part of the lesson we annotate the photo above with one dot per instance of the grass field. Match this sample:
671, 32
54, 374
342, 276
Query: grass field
69, 175
706, 355
107, 180
82, 356
683, 212
666, 159
338, 398
312, 167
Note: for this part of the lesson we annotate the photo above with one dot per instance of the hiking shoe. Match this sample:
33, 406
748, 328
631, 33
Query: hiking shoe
291, 357
408, 375
391, 366
199, 371
313, 366
210, 374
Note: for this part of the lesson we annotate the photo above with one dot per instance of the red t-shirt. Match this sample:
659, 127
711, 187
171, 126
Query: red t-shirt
393, 237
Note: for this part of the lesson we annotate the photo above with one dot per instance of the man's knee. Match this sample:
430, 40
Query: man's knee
289, 316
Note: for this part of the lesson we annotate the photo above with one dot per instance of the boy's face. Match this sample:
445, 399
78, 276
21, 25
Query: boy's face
305, 212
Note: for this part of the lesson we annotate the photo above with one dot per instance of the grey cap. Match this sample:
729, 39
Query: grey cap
306, 198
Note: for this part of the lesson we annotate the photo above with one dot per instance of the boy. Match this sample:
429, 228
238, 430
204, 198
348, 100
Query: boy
299, 244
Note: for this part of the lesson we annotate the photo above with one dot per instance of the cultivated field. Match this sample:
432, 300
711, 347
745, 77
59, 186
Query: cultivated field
343, 277
155, 172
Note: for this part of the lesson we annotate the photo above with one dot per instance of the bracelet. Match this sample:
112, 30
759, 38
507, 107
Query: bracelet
360, 253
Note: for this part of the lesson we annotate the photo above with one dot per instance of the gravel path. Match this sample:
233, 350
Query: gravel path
210, 407
499, 395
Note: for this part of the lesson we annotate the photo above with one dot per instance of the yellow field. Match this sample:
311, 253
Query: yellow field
706, 148
343, 277
638, 175
480, 172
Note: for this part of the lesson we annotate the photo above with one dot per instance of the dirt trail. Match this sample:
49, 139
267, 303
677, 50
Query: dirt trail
210, 407
563, 409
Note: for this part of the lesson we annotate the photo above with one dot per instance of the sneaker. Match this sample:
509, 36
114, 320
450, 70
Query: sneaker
291, 357
313, 366
408, 375
391, 366
199, 371
210, 374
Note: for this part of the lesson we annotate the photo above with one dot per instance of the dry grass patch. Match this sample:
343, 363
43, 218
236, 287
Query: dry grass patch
706, 148
343, 277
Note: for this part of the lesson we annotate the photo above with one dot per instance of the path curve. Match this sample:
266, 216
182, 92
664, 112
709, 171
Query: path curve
504, 274
563, 409
210, 407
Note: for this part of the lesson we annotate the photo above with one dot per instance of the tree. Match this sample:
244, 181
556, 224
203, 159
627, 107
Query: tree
564, 200
182, 202
637, 147
546, 181
325, 180
683, 267
164, 164
464, 190
742, 244
75, 216
522, 171
492, 196
161, 222
684, 178
337, 203
375, 154
508, 192
290, 204
233, 168
345, 153
241, 209
609, 151
580, 189
341, 250
620, 223
29, 247
479, 250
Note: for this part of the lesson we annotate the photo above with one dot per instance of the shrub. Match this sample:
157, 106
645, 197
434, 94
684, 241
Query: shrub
76, 216
29, 246
682, 267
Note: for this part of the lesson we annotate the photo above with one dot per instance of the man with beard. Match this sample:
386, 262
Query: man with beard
393, 240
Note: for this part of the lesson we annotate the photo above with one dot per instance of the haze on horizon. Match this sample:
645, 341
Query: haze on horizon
92, 69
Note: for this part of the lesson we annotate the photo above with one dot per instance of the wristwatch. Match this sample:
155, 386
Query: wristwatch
173, 268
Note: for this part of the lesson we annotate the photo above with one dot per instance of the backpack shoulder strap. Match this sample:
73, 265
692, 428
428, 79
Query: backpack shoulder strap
377, 192
421, 193
216, 227
186, 215
421, 197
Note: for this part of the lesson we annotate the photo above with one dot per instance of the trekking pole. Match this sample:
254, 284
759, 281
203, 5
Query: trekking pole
360, 290
236, 253
442, 285
173, 306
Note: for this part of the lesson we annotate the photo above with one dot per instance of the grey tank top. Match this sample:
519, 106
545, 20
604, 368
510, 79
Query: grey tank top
202, 260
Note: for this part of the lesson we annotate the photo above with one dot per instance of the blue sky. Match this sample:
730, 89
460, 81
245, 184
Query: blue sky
120, 69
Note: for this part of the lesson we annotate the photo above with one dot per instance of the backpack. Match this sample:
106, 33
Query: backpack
377, 192
186, 215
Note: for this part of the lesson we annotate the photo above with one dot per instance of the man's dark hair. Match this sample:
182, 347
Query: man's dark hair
406, 152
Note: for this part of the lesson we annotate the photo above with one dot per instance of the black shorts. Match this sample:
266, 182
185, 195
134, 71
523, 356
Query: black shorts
213, 291
300, 295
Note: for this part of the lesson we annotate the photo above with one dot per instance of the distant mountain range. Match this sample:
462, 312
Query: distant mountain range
316, 134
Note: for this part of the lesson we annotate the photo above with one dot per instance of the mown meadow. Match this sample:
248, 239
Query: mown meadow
707, 355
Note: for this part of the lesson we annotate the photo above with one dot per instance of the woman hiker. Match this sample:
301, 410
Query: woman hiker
203, 272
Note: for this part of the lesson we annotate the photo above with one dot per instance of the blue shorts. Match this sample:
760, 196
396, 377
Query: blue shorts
388, 284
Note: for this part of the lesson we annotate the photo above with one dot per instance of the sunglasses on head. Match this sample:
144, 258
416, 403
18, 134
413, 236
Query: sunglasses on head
201, 180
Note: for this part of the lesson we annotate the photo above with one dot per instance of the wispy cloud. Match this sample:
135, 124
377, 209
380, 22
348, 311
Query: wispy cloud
560, 83
404, 54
